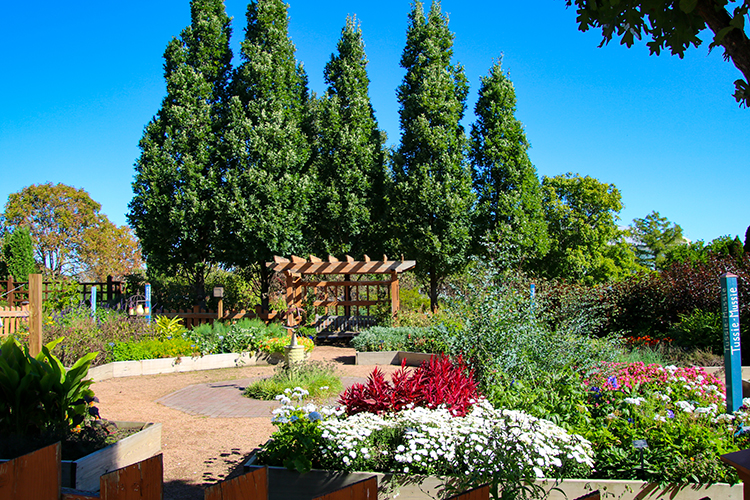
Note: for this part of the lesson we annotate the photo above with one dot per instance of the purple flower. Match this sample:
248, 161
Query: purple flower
670, 414
613, 381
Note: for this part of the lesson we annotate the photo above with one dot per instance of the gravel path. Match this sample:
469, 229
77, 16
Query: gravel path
208, 428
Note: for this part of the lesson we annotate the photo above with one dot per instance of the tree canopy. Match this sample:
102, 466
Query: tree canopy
348, 156
68, 231
179, 174
653, 236
433, 195
509, 208
267, 153
675, 25
586, 244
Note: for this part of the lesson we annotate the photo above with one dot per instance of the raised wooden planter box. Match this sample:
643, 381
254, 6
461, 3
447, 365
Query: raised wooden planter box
83, 474
284, 484
392, 358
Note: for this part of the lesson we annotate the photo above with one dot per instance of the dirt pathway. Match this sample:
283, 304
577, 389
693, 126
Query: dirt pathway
200, 450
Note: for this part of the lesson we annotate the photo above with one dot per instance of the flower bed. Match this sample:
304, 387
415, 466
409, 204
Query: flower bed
400, 427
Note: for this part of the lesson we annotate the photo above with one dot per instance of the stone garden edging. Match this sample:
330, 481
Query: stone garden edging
181, 364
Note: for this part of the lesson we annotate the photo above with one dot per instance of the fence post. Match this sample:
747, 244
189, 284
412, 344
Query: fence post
110, 289
35, 318
11, 294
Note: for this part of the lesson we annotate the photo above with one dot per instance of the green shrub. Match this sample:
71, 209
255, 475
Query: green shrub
503, 334
152, 349
276, 345
84, 334
381, 338
245, 335
320, 380
699, 329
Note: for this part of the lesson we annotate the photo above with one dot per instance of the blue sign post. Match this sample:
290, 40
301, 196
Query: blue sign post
147, 305
532, 293
93, 301
730, 315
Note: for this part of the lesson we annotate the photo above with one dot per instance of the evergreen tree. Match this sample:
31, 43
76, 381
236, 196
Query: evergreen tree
509, 209
266, 149
433, 195
746, 246
348, 156
653, 236
178, 182
18, 254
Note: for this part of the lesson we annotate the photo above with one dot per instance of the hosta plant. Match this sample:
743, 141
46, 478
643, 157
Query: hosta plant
39, 398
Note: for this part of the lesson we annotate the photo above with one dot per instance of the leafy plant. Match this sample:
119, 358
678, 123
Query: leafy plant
166, 327
38, 396
699, 329
84, 334
296, 441
437, 382
152, 348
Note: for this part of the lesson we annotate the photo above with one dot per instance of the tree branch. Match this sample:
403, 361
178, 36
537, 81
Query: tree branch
734, 41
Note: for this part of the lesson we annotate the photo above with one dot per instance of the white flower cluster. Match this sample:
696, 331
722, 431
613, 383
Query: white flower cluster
434, 441
635, 401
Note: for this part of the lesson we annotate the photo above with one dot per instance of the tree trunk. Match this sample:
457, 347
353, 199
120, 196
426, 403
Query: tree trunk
735, 41
199, 285
265, 286
433, 290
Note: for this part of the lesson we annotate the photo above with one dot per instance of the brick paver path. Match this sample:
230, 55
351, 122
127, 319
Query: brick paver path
225, 399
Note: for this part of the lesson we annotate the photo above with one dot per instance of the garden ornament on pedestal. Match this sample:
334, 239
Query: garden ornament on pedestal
294, 353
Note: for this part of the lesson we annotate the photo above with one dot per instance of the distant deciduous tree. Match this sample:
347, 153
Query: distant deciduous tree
110, 250
653, 236
58, 217
509, 209
178, 187
433, 196
586, 244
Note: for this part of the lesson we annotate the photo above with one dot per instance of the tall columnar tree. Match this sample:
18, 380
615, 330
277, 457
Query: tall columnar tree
433, 195
586, 244
348, 156
509, 209
266, 149
178, 182
18, 255
653, 236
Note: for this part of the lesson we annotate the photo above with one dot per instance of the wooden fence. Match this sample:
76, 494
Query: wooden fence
16, 293
11, 319
199, 316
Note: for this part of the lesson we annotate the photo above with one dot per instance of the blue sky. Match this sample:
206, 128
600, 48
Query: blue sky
82, 79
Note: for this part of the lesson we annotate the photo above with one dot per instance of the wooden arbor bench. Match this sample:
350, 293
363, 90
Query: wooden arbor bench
345, 297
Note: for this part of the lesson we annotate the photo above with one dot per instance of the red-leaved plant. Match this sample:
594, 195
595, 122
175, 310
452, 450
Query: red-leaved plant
436, 382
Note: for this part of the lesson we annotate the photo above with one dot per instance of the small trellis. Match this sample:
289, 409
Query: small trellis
345, 299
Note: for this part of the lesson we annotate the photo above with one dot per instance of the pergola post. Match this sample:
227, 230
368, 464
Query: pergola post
395, 299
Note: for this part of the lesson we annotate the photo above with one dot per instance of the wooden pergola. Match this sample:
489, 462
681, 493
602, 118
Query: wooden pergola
346, 293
